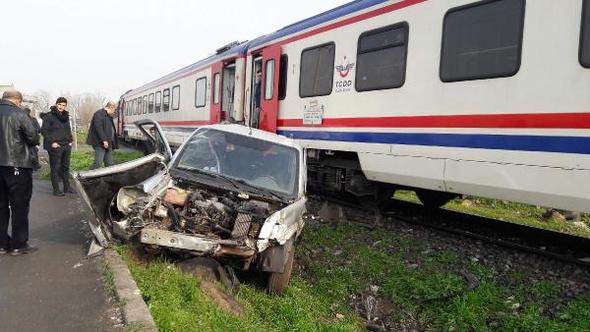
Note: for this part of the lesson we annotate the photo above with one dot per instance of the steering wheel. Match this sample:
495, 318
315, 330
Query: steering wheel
216, 157
267, 182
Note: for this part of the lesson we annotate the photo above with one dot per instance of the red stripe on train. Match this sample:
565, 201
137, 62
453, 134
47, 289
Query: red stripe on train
544, 120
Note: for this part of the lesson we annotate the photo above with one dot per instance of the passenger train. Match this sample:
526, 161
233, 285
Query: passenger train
447, 97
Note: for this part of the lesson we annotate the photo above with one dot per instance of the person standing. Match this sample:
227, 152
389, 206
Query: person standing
255, 122
34, 149
17, 137
57, 140
102, 135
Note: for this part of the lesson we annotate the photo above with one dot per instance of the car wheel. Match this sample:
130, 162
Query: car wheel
278, 282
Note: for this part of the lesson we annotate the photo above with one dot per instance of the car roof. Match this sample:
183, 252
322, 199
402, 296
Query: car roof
256, 133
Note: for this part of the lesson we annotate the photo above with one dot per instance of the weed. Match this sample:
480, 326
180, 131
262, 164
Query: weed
108, 278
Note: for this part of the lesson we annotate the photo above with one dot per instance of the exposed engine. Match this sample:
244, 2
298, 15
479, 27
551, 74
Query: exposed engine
199, 212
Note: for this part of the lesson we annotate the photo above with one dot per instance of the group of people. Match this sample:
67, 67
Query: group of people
58, 139
20, 135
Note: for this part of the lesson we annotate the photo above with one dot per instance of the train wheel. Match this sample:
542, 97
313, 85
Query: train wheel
434, 199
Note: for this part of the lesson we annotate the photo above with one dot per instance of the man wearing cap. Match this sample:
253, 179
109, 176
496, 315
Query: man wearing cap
17, 137
58, 139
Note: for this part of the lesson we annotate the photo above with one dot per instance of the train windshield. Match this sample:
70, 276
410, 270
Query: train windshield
251, 161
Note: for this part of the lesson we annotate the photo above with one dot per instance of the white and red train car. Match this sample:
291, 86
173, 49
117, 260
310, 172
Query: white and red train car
488, 98
183, 100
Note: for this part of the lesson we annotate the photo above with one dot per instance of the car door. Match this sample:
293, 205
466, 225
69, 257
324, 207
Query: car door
98, 187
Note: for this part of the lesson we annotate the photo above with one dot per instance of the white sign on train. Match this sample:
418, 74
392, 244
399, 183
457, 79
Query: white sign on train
313, 113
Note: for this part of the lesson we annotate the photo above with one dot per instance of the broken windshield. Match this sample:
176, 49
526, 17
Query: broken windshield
259, 163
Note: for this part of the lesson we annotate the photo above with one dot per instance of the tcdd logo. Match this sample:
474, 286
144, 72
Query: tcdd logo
343, 84
343, 70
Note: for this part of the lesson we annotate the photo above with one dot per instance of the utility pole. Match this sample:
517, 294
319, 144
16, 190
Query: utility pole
75, 129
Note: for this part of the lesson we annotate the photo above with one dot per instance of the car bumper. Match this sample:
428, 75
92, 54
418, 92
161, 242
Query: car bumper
196, 244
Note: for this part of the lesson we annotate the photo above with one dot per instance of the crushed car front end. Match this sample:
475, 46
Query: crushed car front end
230, 192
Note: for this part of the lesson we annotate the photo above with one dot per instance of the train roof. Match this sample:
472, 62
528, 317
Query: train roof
237, 50
244, 47
313, 21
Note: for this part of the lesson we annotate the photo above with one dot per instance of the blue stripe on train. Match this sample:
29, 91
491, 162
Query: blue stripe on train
313, 21
564, 144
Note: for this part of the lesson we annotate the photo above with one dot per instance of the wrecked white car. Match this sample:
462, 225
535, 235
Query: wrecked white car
230, 192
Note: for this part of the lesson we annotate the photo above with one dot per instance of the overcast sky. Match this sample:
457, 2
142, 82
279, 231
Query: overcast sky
111, 46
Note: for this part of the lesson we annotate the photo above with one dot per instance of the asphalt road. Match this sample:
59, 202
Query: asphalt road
56, 288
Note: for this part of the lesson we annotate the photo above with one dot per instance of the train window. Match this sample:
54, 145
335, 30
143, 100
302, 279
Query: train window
283, 69
216, 85
316, 74
482, 40
201, 92
151, 103
175, 97
269, 77
145, 104
166, 100
585, 35
381, 58
158, 101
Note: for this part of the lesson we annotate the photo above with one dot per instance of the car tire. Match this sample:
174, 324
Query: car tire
278, 282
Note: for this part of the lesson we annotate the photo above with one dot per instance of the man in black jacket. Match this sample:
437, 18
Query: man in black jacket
57, 140
17, 137
102, 135
34, 149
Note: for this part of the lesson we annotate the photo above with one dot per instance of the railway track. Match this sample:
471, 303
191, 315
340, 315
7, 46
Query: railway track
551, 244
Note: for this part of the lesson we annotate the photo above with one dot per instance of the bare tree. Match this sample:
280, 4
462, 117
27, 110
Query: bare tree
44, 101
89, 104
81, 106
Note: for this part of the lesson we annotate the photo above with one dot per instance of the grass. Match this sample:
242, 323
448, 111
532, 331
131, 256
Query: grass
177, 304
418, 289
108, 279
422, 290
519, 213
338, 269
82, 135
82, 160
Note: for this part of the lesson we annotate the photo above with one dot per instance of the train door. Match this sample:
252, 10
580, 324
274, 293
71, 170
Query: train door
216, 77
255, 83
269, 92
228, 88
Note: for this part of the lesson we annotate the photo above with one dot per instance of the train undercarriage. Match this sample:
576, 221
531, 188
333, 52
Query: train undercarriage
339, 174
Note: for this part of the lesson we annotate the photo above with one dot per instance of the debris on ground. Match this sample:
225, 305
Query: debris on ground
222, 298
